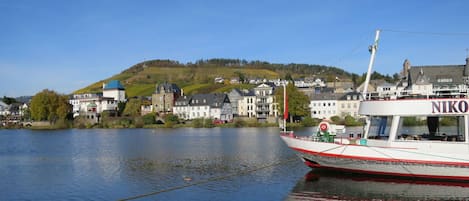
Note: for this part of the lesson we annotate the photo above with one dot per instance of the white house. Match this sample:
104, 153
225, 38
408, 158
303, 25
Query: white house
324, 105
348, 104
265, 103
247, 104
327, 105
114, 89
4, 109
212, 106
92, 103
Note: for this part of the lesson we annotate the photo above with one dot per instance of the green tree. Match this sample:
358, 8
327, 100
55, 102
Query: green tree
297, 102
132, 108
350, 121
170, 120
8, 100
48, 105
120, 108
336, 119
149, 119
309, 122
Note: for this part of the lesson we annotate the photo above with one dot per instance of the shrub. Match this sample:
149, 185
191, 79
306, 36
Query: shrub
149, 119
309, 122
197, 123
336, 119
238, 123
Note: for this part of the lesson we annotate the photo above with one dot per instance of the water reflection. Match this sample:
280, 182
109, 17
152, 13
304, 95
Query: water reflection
330, 185
108, 164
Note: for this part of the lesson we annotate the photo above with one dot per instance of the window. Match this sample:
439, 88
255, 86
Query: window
443, 128
379, 128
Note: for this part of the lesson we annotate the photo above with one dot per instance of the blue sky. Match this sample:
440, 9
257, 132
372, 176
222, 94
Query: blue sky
67, 45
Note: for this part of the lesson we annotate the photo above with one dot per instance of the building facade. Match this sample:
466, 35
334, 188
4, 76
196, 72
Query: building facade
265, 103
91, 105
164, 97
209, 106
114, 89
327, 105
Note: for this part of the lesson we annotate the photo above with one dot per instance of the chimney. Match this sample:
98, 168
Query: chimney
405, 70
466, 68
104, 85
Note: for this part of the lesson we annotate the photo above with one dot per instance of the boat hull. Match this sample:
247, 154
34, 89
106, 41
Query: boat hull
402, 161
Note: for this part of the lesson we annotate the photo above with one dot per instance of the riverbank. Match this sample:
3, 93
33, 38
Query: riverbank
151, 123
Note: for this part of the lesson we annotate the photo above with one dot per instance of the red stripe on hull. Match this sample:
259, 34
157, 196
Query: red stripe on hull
396, 174
418, 162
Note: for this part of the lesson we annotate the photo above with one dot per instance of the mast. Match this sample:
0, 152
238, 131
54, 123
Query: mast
373, 49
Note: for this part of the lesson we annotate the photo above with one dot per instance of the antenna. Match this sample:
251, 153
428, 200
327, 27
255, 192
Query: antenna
467, 52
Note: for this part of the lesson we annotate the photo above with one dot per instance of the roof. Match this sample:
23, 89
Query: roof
438, 75
326, 96
167, 88
213, 100
354, 96
3, 104
113, 84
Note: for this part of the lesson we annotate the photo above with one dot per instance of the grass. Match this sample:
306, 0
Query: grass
140, 90
193, 80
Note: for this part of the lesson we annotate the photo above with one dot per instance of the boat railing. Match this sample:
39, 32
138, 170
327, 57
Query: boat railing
409, 94
351, 139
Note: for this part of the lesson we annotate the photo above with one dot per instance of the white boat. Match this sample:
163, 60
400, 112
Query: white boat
387, 148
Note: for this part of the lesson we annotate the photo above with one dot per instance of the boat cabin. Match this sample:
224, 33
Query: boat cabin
417, 119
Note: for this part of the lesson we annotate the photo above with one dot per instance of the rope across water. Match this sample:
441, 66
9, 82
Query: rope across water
289, 159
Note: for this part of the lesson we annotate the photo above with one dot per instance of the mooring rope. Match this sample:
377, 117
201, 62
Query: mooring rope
290, 159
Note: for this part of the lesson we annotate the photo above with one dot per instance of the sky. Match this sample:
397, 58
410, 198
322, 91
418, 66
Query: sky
67, 45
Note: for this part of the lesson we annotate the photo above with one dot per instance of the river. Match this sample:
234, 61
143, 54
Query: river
170, 164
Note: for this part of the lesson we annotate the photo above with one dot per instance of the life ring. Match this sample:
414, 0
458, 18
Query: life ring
323, 126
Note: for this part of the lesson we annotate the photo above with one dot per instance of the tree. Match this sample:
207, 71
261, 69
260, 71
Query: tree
149, 119
132, 107
8, 100
297, 102
48, 105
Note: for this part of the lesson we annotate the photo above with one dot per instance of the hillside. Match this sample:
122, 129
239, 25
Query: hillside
141, 78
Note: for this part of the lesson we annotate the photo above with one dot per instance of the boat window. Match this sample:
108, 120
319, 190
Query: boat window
379, 128
435, 128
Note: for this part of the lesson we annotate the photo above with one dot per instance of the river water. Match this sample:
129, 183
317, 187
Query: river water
180, 164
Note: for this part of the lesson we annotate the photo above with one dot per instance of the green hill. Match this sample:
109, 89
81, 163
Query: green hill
198, 77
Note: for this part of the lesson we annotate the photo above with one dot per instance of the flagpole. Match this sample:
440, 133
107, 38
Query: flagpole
284, 107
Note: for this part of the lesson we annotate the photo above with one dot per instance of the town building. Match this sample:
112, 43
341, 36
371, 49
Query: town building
327, 105
4, 109
114, 89
164, 97
436, 80
235, 95
348, 104
91, 105
209, 106
266, 104
246, 104
324, 105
